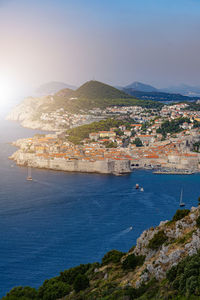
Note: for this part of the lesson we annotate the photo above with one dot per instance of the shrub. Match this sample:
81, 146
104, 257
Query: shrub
113, 256
132, 261
81, 282
185, 276
23, 293
158, 240
198, 222
180, 214
138, 142
69, 276
53, 289
171, 274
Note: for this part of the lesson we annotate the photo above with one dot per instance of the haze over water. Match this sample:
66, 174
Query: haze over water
63, 219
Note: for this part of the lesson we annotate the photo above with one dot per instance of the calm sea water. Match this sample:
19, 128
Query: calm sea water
61, 220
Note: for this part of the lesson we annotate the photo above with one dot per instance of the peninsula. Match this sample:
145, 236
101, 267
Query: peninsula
112, 134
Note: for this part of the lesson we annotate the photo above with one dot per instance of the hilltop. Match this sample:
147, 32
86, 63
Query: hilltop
164, 264
51, 88
142, 87
91, 95
95, 89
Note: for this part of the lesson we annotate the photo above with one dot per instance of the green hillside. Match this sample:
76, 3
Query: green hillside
94, 94
115, 277
98, 90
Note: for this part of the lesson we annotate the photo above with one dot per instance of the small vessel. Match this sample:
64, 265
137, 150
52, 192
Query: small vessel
131, 228
29, 177
137, 186
142, 190
182, 204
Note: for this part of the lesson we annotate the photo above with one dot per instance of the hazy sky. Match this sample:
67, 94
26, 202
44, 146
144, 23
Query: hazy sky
114, 41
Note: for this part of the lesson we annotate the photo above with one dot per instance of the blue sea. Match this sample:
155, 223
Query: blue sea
63, 219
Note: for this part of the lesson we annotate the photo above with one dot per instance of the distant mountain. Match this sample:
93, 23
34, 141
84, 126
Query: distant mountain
51, 88
92, 94
65, 93
184, 89
139, 86
159, 96
98, 90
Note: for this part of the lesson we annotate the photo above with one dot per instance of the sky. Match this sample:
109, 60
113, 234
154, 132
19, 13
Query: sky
113, 41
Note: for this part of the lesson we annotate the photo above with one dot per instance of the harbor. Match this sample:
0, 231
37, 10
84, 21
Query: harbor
73, 218
174, 172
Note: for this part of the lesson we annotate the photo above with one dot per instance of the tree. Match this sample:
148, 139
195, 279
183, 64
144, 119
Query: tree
158, 240
138, 142
81, 282
23, 293
53, 289
113, 256
132, 261
180, 214
198, 222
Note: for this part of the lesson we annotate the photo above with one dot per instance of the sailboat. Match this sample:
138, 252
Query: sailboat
181, 199
29, 177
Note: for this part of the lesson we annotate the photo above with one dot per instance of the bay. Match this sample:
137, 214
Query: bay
63, 219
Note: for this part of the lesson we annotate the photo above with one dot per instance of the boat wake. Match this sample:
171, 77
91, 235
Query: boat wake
121, 233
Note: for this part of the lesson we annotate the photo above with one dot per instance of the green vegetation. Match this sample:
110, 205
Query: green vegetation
77, 134
81, 282
105, 281
196, 124
94, 94
108, 144
172, 126
193, 106
182, 282
158, 240
132, 261
198, 222
185, 277
113, 256
95, 89
138, 142
22, 293
196, 147
180, 214
53, 289
69, 276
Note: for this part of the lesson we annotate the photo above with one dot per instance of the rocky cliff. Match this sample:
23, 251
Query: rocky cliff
28, 113
164, 264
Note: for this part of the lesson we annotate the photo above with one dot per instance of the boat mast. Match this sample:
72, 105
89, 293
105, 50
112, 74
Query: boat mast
181, 197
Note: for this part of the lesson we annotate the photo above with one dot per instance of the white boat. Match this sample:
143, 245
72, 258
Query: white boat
29, 177
182, 204
142, 190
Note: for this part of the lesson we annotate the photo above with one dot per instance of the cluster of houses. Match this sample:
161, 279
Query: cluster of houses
63, 119
120, 143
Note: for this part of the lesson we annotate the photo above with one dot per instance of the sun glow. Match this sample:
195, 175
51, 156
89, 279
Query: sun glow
9, 93
8, 89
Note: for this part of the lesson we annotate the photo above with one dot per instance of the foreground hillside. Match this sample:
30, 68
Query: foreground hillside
164, 264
